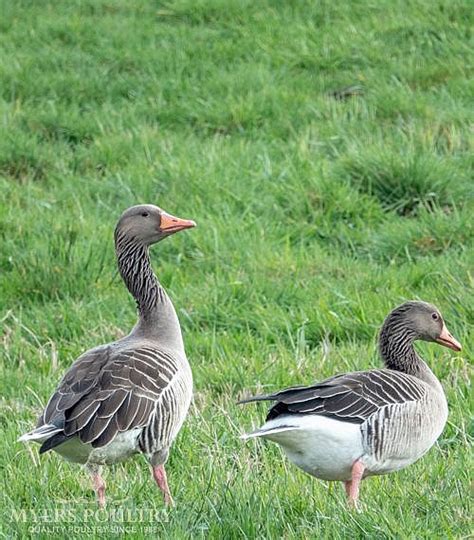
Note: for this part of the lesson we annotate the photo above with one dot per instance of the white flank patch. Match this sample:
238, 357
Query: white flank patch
321, 446
122, 447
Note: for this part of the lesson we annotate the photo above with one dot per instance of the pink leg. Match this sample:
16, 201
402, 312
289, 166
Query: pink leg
99, 488
159, 474
352, 486
348, 485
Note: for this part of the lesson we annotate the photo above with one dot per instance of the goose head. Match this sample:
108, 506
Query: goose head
148, 224
423, 321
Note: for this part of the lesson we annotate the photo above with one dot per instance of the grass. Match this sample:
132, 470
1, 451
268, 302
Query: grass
316, 216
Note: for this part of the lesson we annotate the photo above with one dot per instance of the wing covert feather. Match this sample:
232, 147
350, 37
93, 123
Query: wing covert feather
352, 397
105, 392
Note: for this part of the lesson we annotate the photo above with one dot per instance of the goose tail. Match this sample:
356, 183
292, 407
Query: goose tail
40, 434
267, 431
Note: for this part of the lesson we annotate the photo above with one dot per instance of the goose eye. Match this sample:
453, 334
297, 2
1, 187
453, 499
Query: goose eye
145, 214
434, 316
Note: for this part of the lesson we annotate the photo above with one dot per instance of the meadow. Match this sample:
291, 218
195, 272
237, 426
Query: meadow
319, 209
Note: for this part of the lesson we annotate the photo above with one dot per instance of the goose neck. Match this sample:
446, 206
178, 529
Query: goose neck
396, 349
398, 353
157, 317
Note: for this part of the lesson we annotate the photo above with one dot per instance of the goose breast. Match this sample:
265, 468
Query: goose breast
399, 434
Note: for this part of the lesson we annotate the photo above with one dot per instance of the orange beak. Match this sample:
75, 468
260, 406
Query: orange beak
446, 339
171, 224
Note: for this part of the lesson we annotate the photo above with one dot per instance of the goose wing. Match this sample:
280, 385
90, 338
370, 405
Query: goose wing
351, 397
106, 392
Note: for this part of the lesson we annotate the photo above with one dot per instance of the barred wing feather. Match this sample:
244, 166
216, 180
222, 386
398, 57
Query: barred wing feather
352, 397
105, 393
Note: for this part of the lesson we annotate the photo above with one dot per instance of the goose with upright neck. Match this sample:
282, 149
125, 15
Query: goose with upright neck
132, 395
365, 423
157, 315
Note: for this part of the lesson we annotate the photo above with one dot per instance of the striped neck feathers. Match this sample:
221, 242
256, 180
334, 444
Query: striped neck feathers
134, 266
396, 346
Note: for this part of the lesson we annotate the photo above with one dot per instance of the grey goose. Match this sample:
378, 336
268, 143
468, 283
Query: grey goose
130, 396
365, 423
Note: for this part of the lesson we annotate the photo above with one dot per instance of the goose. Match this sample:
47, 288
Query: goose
365, 423
132, 395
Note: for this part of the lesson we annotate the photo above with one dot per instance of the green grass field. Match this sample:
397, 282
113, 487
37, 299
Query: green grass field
316, 216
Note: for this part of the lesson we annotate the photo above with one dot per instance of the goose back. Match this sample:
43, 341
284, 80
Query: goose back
112, 389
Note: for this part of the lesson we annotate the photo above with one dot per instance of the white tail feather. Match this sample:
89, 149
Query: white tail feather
265, 432
40, 434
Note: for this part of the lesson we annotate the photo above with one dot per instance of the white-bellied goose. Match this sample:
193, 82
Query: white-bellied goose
132, 395
366, 423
